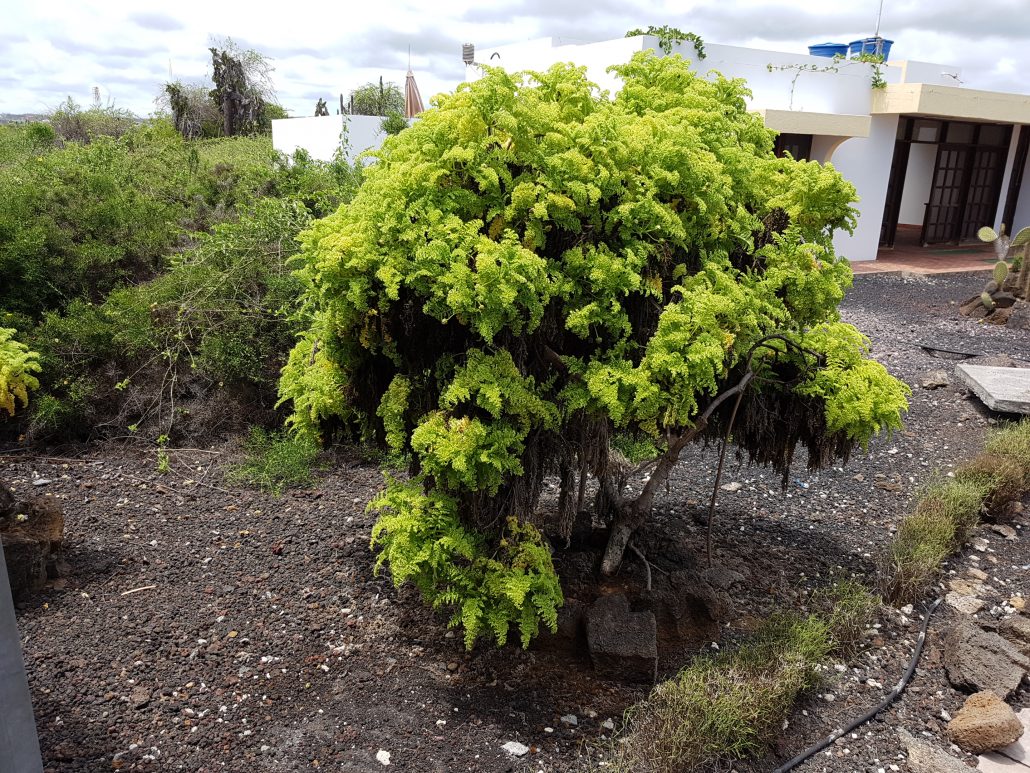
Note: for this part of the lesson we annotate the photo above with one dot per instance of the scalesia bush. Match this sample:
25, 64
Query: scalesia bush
535, 266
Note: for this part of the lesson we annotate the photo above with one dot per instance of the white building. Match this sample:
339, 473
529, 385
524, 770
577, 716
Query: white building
932, 161
322, 136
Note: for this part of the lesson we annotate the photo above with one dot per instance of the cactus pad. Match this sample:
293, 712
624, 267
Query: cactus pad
1021, 238
987, 301
1001, 270
987, 234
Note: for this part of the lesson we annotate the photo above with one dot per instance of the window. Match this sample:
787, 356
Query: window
798, 145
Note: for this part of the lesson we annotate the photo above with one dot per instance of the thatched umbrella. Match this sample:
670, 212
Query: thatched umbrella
412, 99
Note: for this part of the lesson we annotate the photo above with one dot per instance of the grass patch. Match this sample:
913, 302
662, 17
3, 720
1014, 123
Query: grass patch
847, 607
1001, 474
729, 706
1012, 441
947, 512
275, 461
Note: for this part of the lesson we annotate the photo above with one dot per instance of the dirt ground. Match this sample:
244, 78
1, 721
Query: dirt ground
208, 627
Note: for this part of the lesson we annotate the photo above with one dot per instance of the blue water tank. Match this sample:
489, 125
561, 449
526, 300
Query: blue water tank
871, 46
829, 50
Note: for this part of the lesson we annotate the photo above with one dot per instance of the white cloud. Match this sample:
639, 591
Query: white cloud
60, 48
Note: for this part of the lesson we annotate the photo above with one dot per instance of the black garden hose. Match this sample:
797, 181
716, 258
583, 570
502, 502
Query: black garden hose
891, 697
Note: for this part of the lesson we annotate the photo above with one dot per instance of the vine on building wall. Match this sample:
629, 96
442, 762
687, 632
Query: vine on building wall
669, 36
877, 82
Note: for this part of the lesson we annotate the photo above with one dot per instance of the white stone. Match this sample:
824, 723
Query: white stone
383, 757
570, 719
516, 749
967, 605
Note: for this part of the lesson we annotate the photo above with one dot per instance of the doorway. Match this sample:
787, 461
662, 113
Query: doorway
950, 198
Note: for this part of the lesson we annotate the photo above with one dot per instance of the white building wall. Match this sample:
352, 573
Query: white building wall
823, 146
918, 179
834, 87
866, 162
320, 136
541, 53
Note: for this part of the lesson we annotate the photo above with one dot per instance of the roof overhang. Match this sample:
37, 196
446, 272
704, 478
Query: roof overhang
801, 122
951, 102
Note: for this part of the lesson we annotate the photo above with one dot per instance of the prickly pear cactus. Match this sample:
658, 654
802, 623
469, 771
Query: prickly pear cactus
987, 301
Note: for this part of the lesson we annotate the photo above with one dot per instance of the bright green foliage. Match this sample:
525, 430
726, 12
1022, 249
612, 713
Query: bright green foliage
860, 398
17, 366
534, 265
424, 541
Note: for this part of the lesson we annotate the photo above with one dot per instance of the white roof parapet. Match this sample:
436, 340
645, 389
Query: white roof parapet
802, 122
951, 102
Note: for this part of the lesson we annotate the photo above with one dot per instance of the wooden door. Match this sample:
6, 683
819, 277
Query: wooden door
944, 210
982, 192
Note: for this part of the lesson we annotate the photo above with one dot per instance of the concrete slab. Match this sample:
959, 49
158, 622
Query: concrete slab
1020, 750
992, 762
1001, 389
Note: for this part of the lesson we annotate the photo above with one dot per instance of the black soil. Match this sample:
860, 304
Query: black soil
207, 627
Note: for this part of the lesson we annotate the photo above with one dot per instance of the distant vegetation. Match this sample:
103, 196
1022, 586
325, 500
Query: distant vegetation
149, 272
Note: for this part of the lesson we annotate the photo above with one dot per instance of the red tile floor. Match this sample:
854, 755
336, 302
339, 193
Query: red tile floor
908, 255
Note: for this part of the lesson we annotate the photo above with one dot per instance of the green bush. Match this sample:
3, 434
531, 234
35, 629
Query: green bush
533, 267
276, 461
152, 273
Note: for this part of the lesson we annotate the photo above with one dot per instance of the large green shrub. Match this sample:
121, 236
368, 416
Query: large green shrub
534, 266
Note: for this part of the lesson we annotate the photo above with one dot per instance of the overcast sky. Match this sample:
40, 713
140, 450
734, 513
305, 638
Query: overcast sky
53, 49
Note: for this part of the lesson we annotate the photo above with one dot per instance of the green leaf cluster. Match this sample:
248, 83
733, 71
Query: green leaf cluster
424, 541
17, 366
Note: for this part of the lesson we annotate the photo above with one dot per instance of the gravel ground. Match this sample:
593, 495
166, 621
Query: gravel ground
210, 628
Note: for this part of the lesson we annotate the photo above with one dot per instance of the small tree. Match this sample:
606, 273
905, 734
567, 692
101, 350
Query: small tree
242, 101
394, 123
534, 267
377, 99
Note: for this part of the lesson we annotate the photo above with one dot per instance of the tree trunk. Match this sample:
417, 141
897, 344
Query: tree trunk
631, 516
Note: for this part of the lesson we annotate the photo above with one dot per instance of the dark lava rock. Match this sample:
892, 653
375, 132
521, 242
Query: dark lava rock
1016, 630
32, 535
979, 660
623, 644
